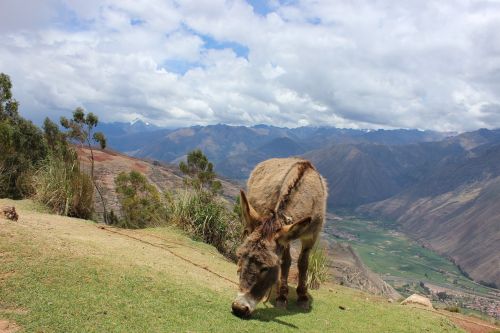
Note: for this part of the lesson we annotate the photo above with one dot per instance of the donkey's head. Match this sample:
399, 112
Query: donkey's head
259, 257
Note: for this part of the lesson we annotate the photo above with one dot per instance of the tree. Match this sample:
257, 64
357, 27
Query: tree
56, 140
201, 172
8, 105
21, 146
81, 128
140, 201
443, 296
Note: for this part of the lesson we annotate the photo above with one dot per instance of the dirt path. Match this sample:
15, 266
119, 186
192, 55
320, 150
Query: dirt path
470, 324
8, 327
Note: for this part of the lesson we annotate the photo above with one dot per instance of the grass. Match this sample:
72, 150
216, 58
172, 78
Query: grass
318, 267
60, 274
392, 254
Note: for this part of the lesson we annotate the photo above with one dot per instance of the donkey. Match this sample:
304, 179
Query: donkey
286, 200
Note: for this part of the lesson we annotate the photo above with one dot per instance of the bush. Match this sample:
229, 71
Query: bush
425, 289
443, 296
201, 215
21, 146
63, 188
140, 201
455, 309
489, 284
318, 267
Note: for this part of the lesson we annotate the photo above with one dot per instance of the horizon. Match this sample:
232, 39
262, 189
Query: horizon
422, 65
297, 127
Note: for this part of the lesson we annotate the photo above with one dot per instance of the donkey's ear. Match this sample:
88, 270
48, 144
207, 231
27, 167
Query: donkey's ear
292, 231
251, 218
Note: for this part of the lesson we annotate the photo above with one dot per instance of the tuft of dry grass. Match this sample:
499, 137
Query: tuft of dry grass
318, 268
203, 216
63, 188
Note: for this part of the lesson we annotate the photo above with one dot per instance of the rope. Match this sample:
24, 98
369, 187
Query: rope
459, 318
170, 251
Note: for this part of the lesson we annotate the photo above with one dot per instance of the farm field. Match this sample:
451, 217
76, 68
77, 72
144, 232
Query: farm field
401, 261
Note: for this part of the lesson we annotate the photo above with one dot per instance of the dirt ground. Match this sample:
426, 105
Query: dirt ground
8, 327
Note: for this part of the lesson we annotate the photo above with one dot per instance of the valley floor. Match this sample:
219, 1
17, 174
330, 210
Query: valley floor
410, 267
61, 274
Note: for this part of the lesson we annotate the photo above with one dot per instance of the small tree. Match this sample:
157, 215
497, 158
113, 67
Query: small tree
57, 141
201, 172
443, 296
140, 201
21, 146
81, 128
8, 105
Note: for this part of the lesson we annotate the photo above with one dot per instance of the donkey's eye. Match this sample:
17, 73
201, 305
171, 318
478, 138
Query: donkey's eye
264, 269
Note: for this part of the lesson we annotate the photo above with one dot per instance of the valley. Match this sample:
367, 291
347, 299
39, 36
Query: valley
411, 268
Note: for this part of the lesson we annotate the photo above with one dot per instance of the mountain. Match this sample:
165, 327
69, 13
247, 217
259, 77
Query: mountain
130, 137
454, 209
121, 128
235, 150
217, 141
363, 173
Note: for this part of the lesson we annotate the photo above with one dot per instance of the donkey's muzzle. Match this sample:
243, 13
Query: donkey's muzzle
240, 310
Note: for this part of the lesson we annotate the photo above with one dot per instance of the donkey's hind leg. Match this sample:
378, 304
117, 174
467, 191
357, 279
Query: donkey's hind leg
286, 261
303, 264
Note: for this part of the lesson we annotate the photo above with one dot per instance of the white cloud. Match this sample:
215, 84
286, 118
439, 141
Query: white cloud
421, 64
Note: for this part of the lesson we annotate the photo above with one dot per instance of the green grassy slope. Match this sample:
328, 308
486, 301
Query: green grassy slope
66, 275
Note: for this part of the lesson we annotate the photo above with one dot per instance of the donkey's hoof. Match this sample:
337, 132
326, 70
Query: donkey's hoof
303, 303
281, 302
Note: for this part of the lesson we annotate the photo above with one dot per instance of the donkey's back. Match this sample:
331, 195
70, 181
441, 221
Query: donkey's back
292, 183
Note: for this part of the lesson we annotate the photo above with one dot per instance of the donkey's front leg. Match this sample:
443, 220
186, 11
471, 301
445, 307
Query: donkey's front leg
303, 263
286, 261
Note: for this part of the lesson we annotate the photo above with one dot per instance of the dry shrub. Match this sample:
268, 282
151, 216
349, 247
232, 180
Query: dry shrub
63, 188
202, 215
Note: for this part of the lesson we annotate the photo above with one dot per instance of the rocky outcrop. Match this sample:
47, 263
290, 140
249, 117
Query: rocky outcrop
9, 212
347, 269
418, 300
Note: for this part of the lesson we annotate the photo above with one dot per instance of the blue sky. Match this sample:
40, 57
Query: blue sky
384, 64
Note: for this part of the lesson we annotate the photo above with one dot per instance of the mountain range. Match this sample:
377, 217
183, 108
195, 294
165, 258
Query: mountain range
440, 188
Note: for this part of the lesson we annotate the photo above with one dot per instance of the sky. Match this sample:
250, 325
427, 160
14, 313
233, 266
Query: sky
353, 64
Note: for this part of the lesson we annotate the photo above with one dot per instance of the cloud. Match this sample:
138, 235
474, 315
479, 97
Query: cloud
412, 64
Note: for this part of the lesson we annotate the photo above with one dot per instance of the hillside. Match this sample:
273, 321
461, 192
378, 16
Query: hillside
455, 211
108, 164
364, 173
62, 274
349, 270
